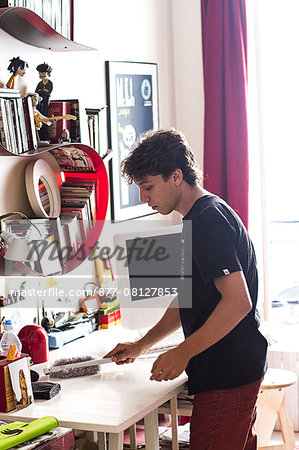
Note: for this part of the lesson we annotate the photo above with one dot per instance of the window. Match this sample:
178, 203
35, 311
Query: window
273, 48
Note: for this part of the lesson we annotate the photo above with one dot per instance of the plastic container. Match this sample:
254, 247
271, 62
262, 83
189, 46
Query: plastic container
35, 342
9, 337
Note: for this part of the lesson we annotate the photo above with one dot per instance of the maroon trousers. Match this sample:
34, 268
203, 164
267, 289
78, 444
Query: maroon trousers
224, 419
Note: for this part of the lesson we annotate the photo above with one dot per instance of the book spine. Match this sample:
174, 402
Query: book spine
16, 123
22, 121
31, 121
3, 127
11, 129
75, 124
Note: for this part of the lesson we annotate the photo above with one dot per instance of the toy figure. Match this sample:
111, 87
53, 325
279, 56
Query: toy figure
44, 89
17, 67
65, 136
39, 119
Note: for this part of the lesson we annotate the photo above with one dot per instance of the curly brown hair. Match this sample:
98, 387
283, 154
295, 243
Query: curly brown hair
161, 153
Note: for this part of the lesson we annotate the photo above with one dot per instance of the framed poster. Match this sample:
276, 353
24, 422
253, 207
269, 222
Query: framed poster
132, 95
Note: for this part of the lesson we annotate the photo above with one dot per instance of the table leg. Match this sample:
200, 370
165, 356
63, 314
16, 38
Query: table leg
91, 436
116, 441
174, 423
151, 431
102, 441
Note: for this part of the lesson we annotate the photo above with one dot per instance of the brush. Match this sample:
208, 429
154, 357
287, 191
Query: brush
76, 367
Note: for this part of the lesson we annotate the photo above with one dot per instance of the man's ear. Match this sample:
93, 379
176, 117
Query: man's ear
177, 176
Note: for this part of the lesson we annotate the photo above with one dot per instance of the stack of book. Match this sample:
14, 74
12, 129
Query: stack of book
69, 234
73, 159
44, 196
79, 196
22, 228
17, 127
93, 121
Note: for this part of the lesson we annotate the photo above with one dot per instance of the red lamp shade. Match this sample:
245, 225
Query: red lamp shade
35, 342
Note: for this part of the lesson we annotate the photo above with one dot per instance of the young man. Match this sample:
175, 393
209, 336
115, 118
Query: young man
223, 354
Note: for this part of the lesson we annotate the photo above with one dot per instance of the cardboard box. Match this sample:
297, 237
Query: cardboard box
7, 398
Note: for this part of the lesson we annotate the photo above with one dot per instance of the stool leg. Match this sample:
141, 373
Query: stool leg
133, 437
286, 426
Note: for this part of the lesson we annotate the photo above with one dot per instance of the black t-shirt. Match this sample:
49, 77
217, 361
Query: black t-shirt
220, 246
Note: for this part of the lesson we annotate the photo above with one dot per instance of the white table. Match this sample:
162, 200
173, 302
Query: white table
111, 401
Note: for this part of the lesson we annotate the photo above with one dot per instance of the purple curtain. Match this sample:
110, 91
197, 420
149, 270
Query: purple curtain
224, 41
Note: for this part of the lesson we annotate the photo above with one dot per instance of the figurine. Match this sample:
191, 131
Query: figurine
17, 67
44, 89
39, 119
65, 136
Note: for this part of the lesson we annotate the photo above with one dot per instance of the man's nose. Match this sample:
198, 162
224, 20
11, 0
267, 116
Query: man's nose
143, 196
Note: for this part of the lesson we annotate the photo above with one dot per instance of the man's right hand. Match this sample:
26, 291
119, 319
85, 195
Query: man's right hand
125, 353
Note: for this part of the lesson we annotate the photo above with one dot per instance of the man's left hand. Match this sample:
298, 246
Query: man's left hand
169, 365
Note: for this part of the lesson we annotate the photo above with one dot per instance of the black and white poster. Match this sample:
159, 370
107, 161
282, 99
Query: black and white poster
133, 109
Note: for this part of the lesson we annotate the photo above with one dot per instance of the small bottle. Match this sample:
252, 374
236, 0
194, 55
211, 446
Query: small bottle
9, 337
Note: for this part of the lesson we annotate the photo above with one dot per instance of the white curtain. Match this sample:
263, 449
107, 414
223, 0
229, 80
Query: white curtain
273, 68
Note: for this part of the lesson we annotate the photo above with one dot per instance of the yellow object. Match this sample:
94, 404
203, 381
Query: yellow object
48, 283
11, 82
108, 325
13, 353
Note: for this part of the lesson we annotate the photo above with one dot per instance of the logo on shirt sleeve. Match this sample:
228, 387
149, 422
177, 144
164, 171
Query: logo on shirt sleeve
226, 271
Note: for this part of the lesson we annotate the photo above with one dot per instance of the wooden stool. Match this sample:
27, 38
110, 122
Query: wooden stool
176, 407
270, 404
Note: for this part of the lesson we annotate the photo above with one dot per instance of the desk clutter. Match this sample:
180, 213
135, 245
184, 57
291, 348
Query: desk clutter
25, 436
45, 390
64, 327
15, 433
19, 385
15, 385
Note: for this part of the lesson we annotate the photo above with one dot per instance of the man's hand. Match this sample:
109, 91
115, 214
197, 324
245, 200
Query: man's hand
125, 353
169, 365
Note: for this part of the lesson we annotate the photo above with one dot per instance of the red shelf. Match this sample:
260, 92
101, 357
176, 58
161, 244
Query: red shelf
100, 175
26, 26
35, 152
102, 195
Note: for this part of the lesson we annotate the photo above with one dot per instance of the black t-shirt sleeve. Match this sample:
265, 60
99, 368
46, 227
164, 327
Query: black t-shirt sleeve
214, 245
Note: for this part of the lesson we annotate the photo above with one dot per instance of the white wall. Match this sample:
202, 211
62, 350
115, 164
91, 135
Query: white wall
167, 32
188, 72
162, 31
